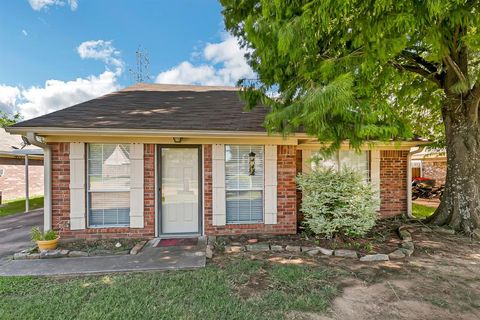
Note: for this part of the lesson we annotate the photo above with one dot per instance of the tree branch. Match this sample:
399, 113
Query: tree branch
420, 61
452, 64
420, 71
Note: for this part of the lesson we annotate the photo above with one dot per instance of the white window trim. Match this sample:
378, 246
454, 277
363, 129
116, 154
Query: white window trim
236, 190
88, 191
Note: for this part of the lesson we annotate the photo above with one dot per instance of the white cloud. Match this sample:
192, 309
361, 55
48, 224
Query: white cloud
24, 32
44, 4
224, 64
8, 98
101, 50
57, 94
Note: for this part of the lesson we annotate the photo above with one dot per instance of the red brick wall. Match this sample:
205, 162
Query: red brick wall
286, 198
61, 198
393, 182
436, 170
12, 182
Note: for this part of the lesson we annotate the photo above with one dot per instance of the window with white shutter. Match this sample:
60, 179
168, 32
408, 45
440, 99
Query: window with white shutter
108, 185
244, 183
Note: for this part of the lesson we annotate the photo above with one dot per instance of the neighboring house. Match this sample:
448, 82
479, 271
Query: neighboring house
168, 160
430, 163
12, 167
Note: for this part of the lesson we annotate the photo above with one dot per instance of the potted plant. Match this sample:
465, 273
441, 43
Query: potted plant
45, 240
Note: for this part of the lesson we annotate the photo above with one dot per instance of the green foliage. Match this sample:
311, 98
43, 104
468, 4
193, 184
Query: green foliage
37, 235
337, 202
7, 120
360, 69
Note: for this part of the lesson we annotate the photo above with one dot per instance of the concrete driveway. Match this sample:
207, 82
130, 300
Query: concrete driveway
15, 231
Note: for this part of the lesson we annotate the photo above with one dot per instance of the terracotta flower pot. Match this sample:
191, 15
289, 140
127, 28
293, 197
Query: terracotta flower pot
47, 244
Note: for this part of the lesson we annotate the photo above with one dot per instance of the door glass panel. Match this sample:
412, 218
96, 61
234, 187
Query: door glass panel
180, 190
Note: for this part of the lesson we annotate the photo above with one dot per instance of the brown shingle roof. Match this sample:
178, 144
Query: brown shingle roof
161, 107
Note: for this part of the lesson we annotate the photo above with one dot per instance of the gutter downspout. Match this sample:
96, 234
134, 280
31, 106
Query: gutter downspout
47, 176
409, 180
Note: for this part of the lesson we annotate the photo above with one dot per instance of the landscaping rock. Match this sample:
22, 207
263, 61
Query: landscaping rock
118, 245
276, 248
324, 251
258, 247
209, 251
374, 257
313, 252
48, 254
445, 231
77, 254
20, 255
397, 254
345, 253
408, 245
138, 247
234, 249
476, 234
293, 248
407, 252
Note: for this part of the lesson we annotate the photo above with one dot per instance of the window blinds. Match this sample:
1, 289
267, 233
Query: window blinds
244, 190
108, 185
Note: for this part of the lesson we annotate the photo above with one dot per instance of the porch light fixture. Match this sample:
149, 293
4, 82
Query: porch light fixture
251, 163
177, 139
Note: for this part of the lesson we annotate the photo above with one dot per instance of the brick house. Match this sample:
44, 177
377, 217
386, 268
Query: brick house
12, 167
169, 160
430, 163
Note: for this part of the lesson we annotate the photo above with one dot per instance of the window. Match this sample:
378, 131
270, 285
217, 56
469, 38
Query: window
356, 160
108, 185
244, 183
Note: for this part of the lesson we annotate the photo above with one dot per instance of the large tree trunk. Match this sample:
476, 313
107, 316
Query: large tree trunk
460, 205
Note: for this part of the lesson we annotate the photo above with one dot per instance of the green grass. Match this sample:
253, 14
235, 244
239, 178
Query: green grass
18, 205
239, 290
420, 211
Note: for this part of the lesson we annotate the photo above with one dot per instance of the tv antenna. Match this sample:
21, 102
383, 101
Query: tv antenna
141, 72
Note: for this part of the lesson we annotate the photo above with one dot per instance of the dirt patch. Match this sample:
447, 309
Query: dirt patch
441, 280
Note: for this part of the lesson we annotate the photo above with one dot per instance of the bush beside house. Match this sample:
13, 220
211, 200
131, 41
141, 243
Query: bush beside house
338, 202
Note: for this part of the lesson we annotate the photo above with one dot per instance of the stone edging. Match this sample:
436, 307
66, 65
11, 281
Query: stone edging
406, 249
63, 253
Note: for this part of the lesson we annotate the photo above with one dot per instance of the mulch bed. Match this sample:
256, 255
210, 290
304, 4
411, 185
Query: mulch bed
100, 247
383, 238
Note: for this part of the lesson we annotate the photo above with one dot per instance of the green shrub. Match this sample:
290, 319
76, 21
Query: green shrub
337, 202
37, 235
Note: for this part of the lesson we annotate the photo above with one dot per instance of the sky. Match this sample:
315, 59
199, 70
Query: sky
57, 53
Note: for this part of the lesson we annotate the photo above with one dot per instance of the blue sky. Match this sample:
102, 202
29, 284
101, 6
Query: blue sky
56, 53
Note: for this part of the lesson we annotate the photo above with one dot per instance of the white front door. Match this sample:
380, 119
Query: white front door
180, 191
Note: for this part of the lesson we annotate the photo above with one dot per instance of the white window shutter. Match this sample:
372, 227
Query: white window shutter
375, 170
270, 184
136, 185
77, 186
218, 185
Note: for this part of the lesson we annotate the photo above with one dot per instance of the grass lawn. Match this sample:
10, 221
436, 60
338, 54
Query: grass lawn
420, 211
18, 205
243, 289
